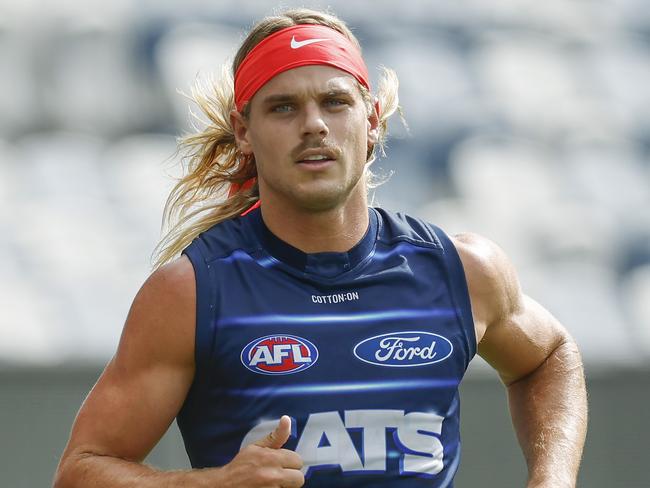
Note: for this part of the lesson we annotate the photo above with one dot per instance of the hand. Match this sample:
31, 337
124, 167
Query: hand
264, 464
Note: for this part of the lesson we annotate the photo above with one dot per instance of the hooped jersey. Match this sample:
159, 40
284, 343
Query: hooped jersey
363, 349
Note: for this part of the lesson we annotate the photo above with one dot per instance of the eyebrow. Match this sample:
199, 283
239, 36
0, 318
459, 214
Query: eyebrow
278, 98
282, 97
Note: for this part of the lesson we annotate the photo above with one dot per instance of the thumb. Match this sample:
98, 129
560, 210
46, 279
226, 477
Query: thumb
277, 438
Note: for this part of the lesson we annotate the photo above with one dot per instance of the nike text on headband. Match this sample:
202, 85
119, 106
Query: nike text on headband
292, 47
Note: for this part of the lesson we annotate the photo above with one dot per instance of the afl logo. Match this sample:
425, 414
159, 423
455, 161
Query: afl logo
279, 354
404, 349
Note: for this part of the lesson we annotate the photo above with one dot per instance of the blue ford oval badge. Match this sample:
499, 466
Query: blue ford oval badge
404, 349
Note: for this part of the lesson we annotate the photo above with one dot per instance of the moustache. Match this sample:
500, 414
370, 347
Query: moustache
321, 146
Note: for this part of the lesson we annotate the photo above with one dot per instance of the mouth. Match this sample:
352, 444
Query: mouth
315, 162
316, 158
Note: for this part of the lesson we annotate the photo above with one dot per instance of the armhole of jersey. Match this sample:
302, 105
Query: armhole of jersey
460, 292
203, 334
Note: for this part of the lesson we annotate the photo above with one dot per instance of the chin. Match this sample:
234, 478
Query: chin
320, 203
317, 195
320, 199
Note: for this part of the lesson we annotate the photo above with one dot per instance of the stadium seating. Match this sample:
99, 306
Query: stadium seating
524, 125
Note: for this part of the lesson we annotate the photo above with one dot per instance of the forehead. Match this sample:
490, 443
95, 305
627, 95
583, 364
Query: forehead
307, 80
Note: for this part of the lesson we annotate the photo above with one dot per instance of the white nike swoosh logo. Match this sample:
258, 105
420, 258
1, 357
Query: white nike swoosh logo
298, 44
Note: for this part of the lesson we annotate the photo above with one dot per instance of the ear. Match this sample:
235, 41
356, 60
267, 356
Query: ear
240, 129
373, 124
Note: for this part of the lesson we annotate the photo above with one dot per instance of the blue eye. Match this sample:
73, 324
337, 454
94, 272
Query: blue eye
282, 108
335, 101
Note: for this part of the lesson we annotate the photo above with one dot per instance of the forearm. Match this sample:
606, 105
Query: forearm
85, 470
549, 413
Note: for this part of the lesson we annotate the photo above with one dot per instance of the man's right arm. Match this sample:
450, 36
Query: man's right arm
140, 392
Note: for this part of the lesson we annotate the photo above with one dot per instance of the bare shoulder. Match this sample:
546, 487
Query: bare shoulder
515, 333
174, 279
491, 279
166, 306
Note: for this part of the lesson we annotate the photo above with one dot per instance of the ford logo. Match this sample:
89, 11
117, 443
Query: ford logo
404, 349
279, 354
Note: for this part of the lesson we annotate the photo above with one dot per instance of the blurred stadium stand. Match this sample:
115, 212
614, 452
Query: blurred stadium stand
529, 123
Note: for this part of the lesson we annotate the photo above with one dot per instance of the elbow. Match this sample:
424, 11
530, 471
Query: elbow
62, 476
563, 360
567, 355
66, 475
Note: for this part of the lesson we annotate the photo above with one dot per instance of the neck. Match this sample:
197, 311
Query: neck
333, 230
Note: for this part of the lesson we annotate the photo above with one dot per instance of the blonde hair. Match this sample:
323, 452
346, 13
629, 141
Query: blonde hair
212, 160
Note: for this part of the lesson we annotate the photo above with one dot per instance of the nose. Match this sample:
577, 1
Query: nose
314, 123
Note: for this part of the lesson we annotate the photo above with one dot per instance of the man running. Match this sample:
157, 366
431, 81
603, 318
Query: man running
303, 337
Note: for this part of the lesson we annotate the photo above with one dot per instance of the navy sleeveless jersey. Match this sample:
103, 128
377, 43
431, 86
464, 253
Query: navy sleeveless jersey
364, 350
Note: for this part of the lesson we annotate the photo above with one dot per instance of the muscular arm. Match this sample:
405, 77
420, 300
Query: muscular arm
141, 391
537, 360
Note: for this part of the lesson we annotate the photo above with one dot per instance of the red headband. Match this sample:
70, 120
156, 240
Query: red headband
298, 45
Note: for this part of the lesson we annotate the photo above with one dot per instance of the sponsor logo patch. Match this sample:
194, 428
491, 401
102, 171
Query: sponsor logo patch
404, 349
279, 354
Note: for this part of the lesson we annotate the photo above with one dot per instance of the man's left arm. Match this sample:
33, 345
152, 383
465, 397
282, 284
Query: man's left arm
537, 360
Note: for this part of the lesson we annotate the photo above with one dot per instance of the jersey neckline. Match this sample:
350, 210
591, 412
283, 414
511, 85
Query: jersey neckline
325, 264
